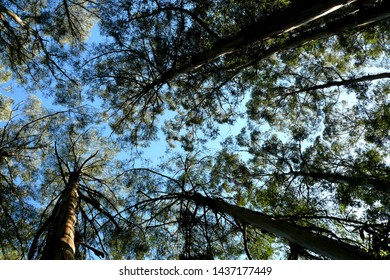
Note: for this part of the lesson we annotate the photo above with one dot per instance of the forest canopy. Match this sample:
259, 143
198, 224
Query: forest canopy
272, 116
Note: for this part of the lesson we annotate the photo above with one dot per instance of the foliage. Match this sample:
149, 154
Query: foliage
296, 92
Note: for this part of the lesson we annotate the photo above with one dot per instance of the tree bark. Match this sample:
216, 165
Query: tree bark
338, 26
360, 180
298, 14
61, 237
344, 82
301, 13
278, 23
321, 245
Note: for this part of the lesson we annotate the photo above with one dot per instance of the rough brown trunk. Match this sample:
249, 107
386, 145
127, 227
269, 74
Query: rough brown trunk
61, 238
321, 245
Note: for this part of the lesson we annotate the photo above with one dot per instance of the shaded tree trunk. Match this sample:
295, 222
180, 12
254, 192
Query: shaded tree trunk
61, 237
321, 245
299, 14
358, 180
278, 23
344, 82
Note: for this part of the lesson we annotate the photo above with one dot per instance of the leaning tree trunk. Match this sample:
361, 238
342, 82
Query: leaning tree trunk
278, 23
321, 245
378, 184
61, 237
299, 14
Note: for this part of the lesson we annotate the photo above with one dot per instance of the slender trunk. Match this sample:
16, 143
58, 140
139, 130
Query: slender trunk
344, 82
321, 245
338, 26
61, 239
359, 180
276, 24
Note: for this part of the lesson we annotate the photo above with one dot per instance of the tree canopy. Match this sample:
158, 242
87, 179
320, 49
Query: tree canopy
274, 117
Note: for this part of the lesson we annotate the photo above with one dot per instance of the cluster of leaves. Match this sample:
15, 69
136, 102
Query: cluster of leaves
309, 81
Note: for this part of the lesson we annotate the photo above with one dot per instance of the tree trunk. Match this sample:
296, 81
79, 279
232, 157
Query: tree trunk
344, 82
276, 24
358, 180
61, 237
300, 13
321, 245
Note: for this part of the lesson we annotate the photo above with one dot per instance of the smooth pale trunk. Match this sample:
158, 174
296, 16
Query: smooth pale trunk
299, 14
319, 244
277, 24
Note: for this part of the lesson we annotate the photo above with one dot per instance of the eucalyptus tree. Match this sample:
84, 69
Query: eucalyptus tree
199, 59
24, 134
81, 193
298, 59
175, 227
314, 74
40, 39
60, 184
220, 203
335, 186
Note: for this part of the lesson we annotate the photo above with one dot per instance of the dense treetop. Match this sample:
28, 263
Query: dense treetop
276, 115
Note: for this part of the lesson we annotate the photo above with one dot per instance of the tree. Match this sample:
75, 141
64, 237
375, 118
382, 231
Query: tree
39, 39
307, 82
322, 246
171, 61
311, 227
23, 137
82, 199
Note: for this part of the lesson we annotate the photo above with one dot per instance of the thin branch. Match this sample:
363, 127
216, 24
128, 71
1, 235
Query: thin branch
96, 205
245, 238
7, 214
95, 230
181, 10
59, 160
37, 235
157, 173
40, 40
344, 82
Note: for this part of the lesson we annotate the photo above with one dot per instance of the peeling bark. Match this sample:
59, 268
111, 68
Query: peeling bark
61, 244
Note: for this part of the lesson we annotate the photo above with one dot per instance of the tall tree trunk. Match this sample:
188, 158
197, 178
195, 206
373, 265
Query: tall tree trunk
321, 245
299, 14
61, 237
382, 185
